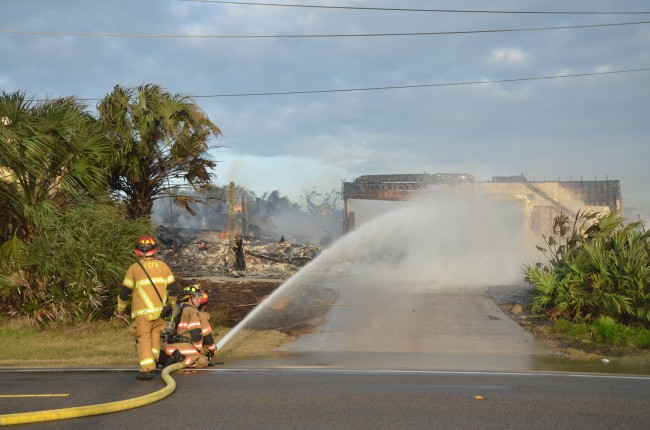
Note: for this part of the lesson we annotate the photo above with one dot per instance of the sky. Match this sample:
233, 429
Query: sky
343, 116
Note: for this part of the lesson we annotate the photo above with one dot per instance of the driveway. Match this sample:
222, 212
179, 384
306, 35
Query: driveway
398, 326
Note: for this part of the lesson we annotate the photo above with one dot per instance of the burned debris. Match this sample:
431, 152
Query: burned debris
205, 253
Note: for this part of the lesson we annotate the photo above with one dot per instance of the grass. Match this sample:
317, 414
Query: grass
109, 343
96, 344
606, 334
103, 344
251, 343
60, 345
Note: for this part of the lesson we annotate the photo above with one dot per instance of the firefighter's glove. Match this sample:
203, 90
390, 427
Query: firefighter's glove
210, 354
121, 306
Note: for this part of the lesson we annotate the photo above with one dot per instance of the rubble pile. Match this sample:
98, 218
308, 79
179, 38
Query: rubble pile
205, 253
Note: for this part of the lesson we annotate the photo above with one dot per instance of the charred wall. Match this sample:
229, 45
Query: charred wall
541, 201
596, 193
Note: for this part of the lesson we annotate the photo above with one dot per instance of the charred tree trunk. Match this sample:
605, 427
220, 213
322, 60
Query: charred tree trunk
240, 260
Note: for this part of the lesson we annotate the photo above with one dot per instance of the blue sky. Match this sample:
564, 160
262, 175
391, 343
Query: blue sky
588, 127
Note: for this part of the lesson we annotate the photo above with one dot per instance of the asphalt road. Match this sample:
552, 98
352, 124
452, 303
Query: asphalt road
338, 399
429, 359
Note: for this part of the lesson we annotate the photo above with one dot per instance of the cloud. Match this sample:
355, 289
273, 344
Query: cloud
507, 56
563, 127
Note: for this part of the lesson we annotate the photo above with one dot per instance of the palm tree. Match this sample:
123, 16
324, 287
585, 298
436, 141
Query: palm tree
52, 161
158, 140
52, 152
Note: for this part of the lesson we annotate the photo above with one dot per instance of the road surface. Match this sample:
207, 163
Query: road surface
338, 399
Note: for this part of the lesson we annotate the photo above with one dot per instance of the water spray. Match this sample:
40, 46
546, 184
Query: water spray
263, 304
449, 244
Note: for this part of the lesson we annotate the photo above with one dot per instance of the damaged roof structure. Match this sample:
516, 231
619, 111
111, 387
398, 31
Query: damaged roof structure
541, 201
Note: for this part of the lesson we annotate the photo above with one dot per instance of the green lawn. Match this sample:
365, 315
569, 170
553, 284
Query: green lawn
58, 345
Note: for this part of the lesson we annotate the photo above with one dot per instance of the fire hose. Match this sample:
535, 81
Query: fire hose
103, 408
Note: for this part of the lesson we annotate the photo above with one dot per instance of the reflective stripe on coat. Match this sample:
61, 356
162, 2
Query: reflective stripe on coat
145, 301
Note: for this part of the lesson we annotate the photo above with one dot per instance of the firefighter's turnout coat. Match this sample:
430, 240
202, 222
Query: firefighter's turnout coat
208, 337
148, 298
193, 336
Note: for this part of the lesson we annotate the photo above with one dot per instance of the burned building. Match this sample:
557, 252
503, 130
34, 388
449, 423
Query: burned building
540, 201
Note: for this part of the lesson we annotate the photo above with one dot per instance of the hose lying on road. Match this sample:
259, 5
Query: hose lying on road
103, 408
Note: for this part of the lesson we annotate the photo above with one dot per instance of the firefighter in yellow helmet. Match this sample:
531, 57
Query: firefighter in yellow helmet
193, 342
150, 285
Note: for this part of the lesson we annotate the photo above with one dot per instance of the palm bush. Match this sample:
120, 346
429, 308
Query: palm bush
64, 246
52, 153
72, 270
598, 267
61, 250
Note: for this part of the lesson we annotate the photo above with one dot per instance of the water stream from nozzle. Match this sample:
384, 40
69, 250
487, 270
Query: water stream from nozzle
443, 242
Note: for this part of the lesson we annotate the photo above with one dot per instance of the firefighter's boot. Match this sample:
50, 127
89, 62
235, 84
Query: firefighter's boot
176, 357
143, 376
162, 360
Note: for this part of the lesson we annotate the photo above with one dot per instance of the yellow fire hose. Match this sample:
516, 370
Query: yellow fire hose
104, 408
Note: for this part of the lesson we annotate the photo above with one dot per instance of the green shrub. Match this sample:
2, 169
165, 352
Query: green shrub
598, 268
567, 327
640, 337
71, 271
606, 330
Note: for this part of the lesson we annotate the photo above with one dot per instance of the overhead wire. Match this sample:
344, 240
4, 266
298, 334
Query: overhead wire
131, 35
399, 87
396, 87
389, 9
307, 36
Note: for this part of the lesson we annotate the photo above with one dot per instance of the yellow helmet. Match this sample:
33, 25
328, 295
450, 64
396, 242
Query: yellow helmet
190, 291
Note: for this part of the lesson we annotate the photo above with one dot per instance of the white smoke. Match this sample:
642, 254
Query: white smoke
446, 240
393, 260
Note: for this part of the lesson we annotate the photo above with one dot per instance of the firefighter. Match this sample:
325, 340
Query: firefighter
193, 333
209, 344
151, 286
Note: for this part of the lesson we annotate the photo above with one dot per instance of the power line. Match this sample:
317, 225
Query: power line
399, 87
298, 36
386, 9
